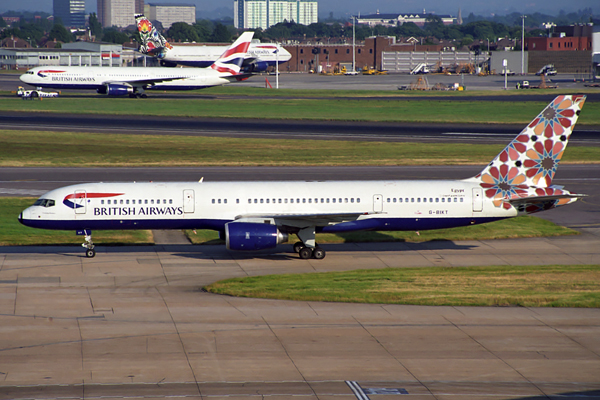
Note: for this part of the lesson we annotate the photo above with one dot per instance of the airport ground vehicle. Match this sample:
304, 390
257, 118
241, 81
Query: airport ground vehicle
34, 93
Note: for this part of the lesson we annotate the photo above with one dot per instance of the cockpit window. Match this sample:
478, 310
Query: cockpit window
44, 203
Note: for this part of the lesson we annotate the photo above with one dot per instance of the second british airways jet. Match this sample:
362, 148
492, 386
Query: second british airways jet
260, 215
134, 81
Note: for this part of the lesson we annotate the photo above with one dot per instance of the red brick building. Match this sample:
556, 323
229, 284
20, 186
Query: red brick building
564, 38
306, 57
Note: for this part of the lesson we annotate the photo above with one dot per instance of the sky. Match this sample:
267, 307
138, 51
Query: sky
341, 8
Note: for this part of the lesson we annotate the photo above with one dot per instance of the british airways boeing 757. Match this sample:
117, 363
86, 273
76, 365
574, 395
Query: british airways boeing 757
260, 215
118, 81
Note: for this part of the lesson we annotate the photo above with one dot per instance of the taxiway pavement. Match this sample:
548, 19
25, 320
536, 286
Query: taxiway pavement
133, 322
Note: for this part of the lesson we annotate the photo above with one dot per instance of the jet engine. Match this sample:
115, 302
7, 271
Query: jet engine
258, 66
252, 236
116, 89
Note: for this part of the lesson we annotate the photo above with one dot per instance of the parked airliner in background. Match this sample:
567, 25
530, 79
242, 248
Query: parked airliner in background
260, 55
260, 215
120, 81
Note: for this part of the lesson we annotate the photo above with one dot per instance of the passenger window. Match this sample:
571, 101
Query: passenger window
146, 201
352, 200
101, 201
126, 201
261, 201
461, 199
107, 201
152, 201
328, 200
297, 201
213, 201
418, 199
345, 200
267, 201
237, 201
424, 199
303, 200
224, 201
358, 200
164, 201
170, 201
219, 201
291, 200
310, 201
255, 201
412, 199
285, 201
456, 200
333, 200
249, 201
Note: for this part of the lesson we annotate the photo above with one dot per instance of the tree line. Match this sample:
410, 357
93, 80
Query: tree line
473, 28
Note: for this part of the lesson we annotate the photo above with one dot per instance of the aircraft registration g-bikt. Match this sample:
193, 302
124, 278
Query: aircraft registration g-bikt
259, 58
133, 81
261, 215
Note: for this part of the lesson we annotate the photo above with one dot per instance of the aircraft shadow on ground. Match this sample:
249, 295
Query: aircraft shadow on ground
219, 252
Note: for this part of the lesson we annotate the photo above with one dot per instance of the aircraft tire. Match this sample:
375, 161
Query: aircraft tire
298, 246
319, 253
305, 253
90, 253
34, 94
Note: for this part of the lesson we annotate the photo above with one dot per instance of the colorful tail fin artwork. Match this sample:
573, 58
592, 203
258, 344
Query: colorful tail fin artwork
521, 175
152, 42
231, 60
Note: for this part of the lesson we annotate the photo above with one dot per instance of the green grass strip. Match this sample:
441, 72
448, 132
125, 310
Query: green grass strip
526, 286
64, 149
388, 110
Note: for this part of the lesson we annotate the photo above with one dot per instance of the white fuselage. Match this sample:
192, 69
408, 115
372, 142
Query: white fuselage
380, 205
59, 77
204, 56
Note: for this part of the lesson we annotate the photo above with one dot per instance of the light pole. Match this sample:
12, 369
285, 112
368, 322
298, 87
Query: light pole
523, 45
353, 45
277, 66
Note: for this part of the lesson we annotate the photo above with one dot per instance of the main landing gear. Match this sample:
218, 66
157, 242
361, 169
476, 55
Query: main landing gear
89, 246
307, 248
308, 252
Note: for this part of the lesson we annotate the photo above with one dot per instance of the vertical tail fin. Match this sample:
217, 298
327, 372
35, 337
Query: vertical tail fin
152, 42
532, 158
231, 60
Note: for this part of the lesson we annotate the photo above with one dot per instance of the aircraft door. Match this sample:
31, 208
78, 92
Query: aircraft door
477, 200
377, 203
80, 202
189, 204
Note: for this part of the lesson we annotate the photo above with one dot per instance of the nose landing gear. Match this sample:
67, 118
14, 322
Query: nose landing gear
89, 245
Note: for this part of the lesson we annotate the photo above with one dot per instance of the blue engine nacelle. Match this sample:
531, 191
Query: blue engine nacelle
258, 66
114, 89
252, 236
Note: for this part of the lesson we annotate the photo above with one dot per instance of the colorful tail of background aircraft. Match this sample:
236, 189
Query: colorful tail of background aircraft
260, 215
260, 56
117, 81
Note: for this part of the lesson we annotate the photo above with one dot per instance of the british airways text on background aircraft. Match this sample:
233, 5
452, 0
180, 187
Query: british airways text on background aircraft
133, 81
260, 56
260, 215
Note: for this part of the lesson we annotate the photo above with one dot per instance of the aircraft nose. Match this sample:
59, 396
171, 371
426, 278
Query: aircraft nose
24, 78
24, 216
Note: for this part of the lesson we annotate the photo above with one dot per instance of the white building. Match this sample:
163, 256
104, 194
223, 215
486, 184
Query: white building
168, 14
117, 13
399, 19
252, 14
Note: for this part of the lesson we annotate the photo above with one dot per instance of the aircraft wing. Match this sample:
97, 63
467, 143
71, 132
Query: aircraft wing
144, 82
300, 220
